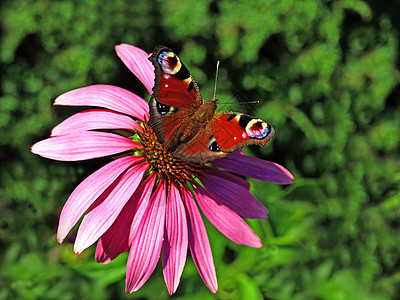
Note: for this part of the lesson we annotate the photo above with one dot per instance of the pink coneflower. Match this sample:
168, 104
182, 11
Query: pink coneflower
142, 201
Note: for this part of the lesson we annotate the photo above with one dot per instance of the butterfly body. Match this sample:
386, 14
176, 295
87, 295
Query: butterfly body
187, 126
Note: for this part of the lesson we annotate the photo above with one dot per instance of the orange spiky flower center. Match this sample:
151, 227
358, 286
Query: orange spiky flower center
163, 162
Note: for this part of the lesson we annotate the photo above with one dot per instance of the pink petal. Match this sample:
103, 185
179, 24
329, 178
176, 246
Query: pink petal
107, 208
234, 196
101, 255
83, 145
144, 200
175, 239
225, 220
228, 176
254, 167
199, 244
95, 119
88, 191
116, 239
107, 96
138, 63
147, 241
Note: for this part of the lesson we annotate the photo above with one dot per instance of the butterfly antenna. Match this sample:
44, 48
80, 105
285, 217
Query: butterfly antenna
242, 103
216, 79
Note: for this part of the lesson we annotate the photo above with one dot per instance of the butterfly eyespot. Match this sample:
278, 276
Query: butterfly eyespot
173, 59
214, 147
162, 108
257, 129
169, 62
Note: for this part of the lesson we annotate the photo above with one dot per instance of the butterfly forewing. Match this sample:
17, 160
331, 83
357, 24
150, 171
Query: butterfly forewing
176, 96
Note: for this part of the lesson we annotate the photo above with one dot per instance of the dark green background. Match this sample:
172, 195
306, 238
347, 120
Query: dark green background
326, 75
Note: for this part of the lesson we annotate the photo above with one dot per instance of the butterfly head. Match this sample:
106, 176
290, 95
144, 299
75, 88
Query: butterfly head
216, 101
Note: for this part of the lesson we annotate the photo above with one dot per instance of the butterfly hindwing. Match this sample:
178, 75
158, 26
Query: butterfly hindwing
201, 149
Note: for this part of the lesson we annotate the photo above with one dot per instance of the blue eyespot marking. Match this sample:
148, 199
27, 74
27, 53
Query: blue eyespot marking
266, 132
161, 59
162, 108
214, 147
258, 129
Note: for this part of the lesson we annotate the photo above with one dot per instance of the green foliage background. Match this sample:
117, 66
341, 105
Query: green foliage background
326, 75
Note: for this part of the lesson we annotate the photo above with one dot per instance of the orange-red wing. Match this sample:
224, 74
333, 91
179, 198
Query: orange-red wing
198, 149
174, 86
234, 130
174, 92
176, 96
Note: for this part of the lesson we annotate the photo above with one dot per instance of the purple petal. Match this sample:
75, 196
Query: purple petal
116, 239
107, 96
95, 119
175, 239
88, 191
228, 176
138, 63
107, 208
147, 241
199, 244
225, 220
234, 196
254, 167
83, 145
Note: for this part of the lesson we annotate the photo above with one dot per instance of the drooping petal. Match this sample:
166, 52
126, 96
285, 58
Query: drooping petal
175, 239
101, 255
199, 243
107, 96
227, 176
254, 167
116, 239
147, 241
225, 220
138, 63
234, 196
95, 119
88, 191
107, 208
83, 145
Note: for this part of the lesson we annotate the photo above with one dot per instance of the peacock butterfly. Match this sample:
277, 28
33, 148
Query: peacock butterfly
187, 126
